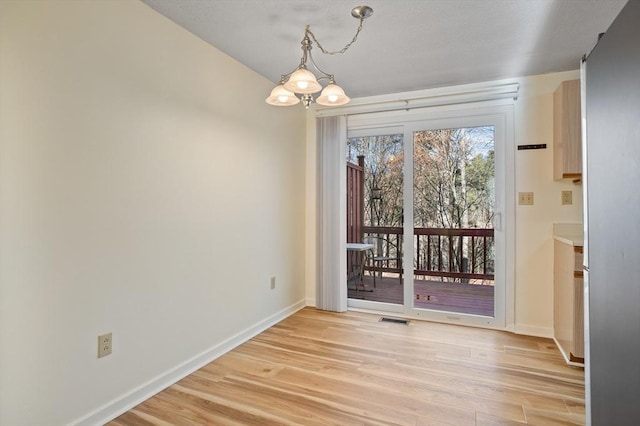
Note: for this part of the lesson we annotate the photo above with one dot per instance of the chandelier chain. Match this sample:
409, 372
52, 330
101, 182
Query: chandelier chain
336, 52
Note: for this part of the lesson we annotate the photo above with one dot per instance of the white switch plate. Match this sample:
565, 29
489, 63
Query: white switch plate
525, 198
567, 198
273, 283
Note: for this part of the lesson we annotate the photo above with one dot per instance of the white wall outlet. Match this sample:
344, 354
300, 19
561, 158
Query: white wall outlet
567, 198
105, 344
273, 283
525, 198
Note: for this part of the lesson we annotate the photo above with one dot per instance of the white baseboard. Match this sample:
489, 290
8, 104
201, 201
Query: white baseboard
124, 403
532, 330
311, 301
566, 357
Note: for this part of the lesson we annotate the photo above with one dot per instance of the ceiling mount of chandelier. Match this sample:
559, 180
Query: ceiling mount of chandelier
300, 84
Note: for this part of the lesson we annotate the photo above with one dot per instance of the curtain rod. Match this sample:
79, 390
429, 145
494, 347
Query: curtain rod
411, 108
471, 95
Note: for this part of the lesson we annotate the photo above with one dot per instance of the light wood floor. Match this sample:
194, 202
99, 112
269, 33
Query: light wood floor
321, 368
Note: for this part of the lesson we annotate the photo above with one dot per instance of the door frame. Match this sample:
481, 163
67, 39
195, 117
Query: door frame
499, 114
455, 119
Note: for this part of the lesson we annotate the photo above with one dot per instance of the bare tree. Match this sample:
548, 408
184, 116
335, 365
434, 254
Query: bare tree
453, 186
384, 159
453, 180
453, 177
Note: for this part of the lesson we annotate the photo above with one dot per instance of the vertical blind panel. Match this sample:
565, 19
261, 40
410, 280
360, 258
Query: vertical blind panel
331, 291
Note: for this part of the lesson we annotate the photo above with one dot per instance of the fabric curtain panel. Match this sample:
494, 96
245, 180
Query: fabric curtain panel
331, 291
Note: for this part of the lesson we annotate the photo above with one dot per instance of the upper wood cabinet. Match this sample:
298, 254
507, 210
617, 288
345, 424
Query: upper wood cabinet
567, 134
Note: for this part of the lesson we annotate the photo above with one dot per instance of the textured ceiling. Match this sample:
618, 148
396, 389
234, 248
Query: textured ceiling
407, 44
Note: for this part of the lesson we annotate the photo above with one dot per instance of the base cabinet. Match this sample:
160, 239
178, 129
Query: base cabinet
568, 301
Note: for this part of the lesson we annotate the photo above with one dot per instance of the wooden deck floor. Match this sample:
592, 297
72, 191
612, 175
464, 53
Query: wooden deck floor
438, 295
324, 368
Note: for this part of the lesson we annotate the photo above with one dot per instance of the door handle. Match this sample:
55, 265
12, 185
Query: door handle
497, 221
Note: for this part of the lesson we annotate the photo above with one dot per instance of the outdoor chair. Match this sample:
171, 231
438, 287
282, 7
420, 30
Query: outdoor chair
384, 251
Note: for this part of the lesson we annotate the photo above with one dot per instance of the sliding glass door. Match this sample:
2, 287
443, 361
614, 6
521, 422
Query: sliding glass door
432, 212
375, 162
453, 210
457, 250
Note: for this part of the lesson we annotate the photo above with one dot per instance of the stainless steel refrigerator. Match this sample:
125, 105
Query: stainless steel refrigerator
611, 184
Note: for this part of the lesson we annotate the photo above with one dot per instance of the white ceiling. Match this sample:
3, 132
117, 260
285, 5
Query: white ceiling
407, 44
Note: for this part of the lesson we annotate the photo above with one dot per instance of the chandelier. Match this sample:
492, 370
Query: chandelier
300, 84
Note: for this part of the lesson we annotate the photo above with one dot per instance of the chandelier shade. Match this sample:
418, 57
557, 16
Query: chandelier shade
300, 84
303, 81
332, 95
280, 96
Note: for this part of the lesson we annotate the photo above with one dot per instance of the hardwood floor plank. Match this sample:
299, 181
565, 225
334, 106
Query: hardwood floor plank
306, 391
576, 407
136, 418
247, 406
541, 417
493, 388
483, 419
325, 368
508, 380
233, 362
370, 393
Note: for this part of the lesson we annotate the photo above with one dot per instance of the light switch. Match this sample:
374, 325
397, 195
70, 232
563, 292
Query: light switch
525, 198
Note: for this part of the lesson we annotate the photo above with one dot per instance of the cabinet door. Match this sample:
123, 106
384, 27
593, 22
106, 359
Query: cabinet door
577, 352
567, 134
563, 297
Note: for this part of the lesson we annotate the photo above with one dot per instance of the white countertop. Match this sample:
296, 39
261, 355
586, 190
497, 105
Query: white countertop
574, 240
569, 233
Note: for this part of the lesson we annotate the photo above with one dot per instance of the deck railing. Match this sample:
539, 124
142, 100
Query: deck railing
462, 254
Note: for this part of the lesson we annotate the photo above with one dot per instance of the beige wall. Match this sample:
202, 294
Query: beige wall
533, 121
147, 190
